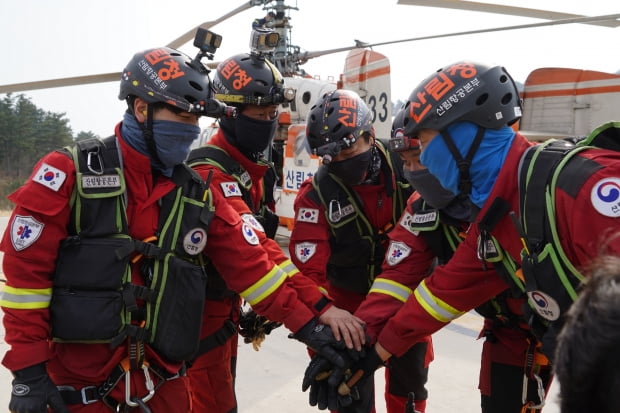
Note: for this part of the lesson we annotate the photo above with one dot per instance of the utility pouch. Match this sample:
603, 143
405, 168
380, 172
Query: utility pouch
176, 330
87, 303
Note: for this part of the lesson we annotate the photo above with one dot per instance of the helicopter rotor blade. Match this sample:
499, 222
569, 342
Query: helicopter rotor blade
603, 18
61, 82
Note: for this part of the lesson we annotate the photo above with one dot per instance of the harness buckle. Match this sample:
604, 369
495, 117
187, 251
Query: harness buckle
86, 399
129, 400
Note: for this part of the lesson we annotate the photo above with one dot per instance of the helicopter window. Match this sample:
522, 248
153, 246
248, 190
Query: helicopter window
306, 97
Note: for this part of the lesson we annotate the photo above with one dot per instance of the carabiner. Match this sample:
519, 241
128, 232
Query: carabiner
129, 400
540, 390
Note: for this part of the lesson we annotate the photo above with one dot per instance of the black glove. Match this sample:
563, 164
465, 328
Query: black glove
323, 378
361, 369
319, 337
33, 391
253, 328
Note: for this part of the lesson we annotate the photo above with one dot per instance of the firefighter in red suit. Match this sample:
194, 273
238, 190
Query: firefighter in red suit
431, 228
98, 233
468, 105
342, 217
234, 157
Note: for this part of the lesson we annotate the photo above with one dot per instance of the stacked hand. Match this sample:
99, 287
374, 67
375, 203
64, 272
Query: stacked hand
254, 328
333, 386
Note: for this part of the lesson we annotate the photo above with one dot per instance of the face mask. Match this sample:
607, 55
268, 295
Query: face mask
352, 171
173, 141
461, 209
249, 135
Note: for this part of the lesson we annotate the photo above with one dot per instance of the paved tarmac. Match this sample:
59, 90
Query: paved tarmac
270, 380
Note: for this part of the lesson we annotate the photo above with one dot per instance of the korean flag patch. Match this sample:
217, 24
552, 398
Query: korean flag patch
304, 251
406, 222
25, 231
397, 252
308, 215
230, 189
50, 177
249, 234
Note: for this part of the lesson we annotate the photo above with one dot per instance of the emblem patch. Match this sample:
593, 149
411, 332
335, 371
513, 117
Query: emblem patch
544, 305
308, 215
397, 251
195, 241
253, 222
407, 221
25, 231
605, 197
249, 234
50, 177
304, 251
230, 189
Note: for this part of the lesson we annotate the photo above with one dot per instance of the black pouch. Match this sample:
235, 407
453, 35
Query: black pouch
178, 315
92, 263
85, 316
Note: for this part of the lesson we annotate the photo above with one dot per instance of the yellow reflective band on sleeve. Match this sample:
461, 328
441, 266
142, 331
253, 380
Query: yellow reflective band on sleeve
438, 309
288, 267
397, 290
265, 286
26, 298
323, 291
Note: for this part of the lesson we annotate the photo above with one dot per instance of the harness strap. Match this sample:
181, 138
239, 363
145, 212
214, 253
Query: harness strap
217, 338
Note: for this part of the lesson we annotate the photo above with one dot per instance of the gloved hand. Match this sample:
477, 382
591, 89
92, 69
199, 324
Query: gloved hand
33, 391
254, 328
322, 377
361, 369
319, 337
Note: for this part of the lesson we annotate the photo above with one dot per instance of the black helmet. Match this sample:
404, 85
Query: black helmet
399, 142
464, 91
339, 116
249, 79
169, 76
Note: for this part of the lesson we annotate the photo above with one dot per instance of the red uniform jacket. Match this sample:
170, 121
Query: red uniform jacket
462, 284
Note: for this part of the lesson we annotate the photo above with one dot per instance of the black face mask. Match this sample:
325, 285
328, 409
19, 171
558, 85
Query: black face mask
249, 135
352, 171
440, 198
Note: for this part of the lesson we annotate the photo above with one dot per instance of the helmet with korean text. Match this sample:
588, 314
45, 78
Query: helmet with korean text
169, 76
249, 79
339, 118
463, 91
399, 142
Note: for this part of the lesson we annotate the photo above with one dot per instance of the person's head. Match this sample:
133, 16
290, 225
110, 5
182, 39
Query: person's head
255, 86
587, 361
166, 93
462, 104
339, 128
418, 176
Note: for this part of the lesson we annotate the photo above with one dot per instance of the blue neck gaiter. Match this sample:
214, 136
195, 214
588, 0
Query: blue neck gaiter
485, 165
172, 141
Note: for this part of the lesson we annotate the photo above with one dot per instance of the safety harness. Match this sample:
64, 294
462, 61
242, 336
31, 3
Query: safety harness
94, 299
357, 248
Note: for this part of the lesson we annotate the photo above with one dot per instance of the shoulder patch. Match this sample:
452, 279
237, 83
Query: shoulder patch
249, 234
50, 177
397, 251
25, 230
230, 189
308, 215
605, 197
253, 222
304, 251
407, 221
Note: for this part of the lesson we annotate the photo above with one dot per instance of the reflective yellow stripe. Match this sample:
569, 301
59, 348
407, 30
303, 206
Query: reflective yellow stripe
288, 267
392, 288
438, 309
26, 298
265, 286
323, 291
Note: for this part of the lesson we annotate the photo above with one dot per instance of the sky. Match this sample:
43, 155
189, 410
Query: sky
53, 39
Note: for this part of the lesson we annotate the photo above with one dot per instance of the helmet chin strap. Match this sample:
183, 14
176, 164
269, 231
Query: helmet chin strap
147, 134
463, 164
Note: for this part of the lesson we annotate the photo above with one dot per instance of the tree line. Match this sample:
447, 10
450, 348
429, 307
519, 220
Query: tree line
26, 134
